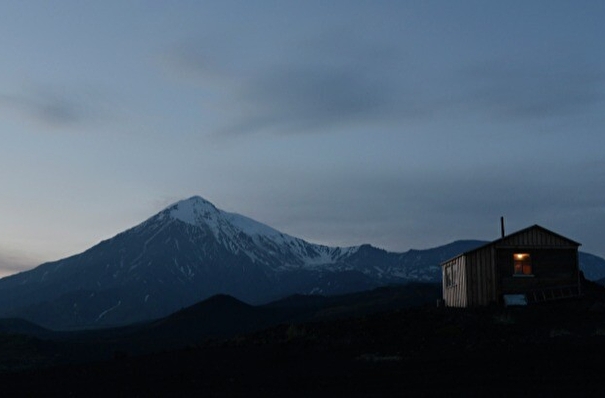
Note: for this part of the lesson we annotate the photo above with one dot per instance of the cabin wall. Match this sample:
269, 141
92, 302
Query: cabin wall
550, 268
454, 282
482, 277
536, 237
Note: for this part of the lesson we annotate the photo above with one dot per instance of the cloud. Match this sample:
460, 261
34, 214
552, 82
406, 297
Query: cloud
339, 79
535, 91
52, 109
200, 59
302, 86
308, 98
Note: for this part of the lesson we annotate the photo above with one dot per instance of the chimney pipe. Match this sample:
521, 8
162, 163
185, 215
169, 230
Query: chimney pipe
502, 226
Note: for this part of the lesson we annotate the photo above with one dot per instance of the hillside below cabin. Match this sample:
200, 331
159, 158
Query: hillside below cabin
528, 266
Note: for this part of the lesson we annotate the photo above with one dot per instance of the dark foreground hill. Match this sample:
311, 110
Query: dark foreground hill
218, 317
553, 349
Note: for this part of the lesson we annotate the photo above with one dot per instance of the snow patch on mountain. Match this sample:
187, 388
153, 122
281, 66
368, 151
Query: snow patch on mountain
198, 211
251, 227
264, 243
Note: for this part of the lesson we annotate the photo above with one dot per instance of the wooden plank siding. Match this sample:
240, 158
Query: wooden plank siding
535, 237
551, 267
484, 274
455, 282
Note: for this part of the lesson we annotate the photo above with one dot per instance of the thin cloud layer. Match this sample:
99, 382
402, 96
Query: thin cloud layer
54, 109
307, 88
49, 111
339, 81
521, 92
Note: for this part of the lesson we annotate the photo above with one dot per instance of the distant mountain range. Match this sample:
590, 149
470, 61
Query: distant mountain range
191, 251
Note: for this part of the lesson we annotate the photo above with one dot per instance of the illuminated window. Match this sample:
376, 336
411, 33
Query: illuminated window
522, 264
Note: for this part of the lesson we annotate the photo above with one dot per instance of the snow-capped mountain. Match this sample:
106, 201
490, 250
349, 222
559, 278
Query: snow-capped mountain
188, 252
260, 243
191, 251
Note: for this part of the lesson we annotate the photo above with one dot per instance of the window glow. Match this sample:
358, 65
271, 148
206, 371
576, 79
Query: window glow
522, 264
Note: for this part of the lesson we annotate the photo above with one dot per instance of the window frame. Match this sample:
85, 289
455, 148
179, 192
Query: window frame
522, 265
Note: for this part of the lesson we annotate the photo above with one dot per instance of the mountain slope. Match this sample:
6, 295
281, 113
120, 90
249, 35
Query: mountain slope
184, 254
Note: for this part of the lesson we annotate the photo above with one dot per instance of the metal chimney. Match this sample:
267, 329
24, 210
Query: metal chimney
502, 226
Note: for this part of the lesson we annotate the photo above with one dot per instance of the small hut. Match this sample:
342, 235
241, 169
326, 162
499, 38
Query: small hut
530, 265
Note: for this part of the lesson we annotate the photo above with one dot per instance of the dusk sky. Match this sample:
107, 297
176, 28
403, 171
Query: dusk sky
403, 124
